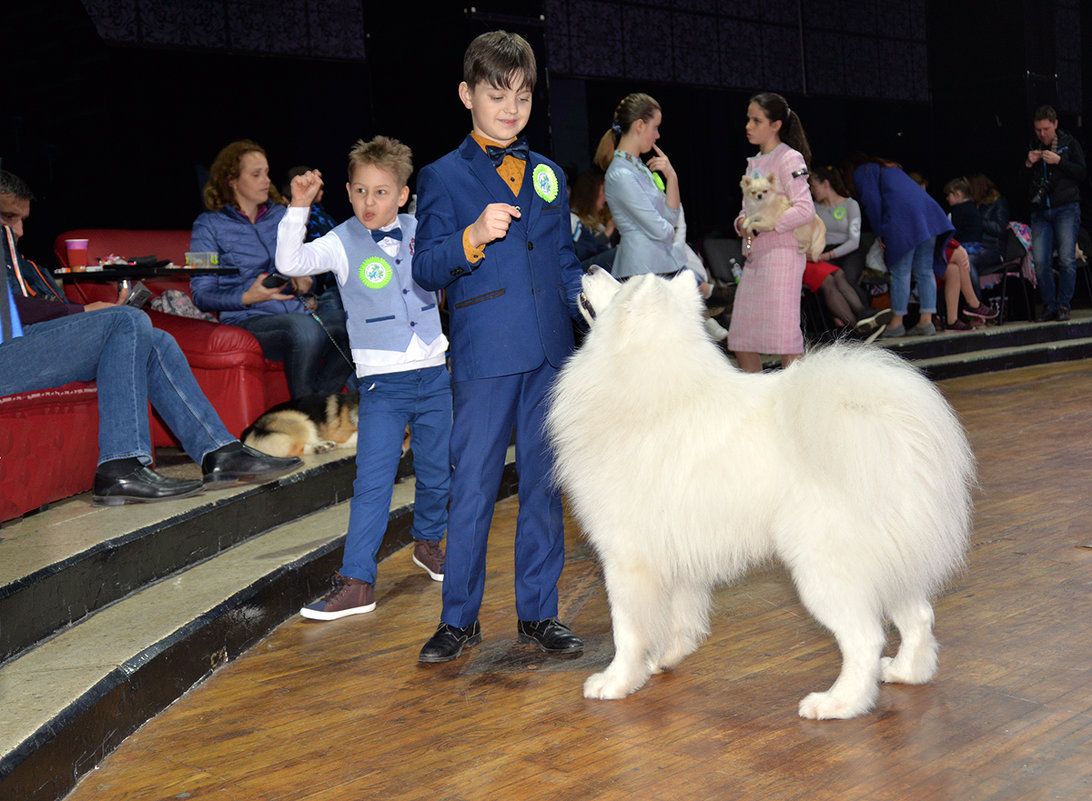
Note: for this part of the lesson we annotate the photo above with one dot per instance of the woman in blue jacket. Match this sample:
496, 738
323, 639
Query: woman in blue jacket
913, 229
644, 206
244, 209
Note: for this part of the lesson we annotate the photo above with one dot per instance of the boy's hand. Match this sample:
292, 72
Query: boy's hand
305, 188
492, 223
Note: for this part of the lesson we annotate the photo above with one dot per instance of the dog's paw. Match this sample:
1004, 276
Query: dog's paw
323, 447
825, 706
607, 686
894, 671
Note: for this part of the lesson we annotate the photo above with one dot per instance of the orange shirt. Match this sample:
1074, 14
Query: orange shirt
511, 171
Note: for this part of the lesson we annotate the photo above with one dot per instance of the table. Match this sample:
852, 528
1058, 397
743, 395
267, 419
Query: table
80, 289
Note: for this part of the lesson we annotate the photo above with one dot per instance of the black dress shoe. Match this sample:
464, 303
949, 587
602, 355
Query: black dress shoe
551, 635
1062, 315
1046, 316
143, 485
239, 462
448, 642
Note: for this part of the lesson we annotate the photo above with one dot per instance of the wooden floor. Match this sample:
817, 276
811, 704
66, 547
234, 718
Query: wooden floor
342, 710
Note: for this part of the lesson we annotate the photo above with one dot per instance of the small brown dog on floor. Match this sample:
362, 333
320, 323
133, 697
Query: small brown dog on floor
312, 424
764, 204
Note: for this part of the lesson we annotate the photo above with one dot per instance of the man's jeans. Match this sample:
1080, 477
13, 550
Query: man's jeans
1050, 227
132, 363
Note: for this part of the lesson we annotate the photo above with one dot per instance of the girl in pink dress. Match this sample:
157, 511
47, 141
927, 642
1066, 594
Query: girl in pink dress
766, 312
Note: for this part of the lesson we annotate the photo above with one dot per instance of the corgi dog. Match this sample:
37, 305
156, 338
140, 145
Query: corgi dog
311, 424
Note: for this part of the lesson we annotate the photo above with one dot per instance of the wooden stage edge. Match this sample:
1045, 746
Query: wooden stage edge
342, 710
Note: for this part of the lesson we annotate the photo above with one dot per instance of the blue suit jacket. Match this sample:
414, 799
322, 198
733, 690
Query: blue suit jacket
512, 309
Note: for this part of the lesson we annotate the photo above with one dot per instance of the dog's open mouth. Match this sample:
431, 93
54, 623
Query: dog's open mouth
586, 306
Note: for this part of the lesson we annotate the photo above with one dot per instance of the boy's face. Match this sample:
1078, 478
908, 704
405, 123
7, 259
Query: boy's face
376, 195
497, 113
956, 197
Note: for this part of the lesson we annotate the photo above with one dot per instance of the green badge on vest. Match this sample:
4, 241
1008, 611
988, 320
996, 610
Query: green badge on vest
545, 183
375, 273
658, 182
839, 213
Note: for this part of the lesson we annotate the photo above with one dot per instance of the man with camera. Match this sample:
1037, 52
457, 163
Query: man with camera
1056, 167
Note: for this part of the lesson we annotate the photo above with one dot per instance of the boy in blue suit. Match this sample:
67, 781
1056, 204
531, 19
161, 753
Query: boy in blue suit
493, 230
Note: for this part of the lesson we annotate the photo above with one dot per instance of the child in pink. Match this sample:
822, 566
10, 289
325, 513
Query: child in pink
766, 312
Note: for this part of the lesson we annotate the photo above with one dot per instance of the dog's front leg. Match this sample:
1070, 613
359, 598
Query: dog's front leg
637, 613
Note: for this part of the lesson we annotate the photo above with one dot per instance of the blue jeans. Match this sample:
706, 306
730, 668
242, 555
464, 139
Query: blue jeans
389, 402
919, 263
312, 363
1050, 227
132, 363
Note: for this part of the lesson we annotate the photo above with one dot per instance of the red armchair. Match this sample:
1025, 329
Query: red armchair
49, 438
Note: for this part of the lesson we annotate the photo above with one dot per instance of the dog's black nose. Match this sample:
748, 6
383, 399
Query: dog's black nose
585, 305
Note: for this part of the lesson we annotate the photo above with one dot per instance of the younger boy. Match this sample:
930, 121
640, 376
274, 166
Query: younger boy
494, 232
399, 352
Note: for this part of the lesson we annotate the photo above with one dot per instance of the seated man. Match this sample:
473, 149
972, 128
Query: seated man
132, 363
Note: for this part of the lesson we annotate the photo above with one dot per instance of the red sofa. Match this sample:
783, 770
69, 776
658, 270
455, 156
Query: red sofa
49, 438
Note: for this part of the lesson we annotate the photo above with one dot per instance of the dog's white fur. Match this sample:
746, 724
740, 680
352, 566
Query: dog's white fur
849, 467
765, 203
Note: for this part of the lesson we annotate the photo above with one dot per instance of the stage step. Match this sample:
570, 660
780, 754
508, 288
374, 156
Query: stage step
73, 696
997, 347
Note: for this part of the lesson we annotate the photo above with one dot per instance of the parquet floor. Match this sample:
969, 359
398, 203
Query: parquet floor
342, 710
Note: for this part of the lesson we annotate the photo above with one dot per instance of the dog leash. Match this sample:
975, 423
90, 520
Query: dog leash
330, 336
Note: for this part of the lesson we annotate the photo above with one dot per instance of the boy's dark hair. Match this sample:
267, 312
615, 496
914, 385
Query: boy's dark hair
12, 184
386, 154
1045, 113
495, 57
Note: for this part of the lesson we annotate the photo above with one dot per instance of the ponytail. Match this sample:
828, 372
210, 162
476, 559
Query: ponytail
792, 130
636, 106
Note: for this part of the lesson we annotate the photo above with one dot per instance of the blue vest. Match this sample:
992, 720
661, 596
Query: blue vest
385, 305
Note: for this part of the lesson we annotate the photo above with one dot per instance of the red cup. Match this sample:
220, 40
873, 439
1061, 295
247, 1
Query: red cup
77, 253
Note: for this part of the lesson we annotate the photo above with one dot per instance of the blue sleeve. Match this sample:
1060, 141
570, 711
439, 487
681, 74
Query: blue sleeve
440, 257
209, 291
571, 271
866, 180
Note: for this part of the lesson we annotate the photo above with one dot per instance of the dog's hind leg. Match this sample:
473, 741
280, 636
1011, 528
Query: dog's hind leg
637, 611
688, 625
916, 661
857, 625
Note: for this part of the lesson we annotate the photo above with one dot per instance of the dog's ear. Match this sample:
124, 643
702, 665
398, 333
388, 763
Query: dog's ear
745, 182
772, 178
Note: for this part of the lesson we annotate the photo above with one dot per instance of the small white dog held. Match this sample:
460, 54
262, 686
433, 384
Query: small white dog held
648, 413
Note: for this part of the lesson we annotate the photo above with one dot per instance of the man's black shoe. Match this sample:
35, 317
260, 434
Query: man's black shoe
551, 635
448, 642
239, 462
1063, 315
142, 485
1047, 315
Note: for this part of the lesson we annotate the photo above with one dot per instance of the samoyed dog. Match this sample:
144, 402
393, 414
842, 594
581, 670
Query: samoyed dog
849, 467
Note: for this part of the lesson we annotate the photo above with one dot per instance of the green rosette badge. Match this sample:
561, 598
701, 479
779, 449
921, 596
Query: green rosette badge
545, 182
375, 273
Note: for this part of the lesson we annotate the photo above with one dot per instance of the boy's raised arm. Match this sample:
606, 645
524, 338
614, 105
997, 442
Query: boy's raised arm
294, 258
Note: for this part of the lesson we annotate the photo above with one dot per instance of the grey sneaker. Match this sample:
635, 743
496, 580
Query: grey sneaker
429, 556
895, 331
926, 330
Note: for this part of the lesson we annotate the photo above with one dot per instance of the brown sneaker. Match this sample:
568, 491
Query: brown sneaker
429, 556
349, 596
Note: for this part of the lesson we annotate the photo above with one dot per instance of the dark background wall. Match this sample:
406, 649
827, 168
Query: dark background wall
113, 110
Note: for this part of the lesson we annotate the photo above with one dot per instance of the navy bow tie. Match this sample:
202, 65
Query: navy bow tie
520, 149
394, 233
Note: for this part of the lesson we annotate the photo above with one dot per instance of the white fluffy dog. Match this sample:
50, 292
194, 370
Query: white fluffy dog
849, 467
